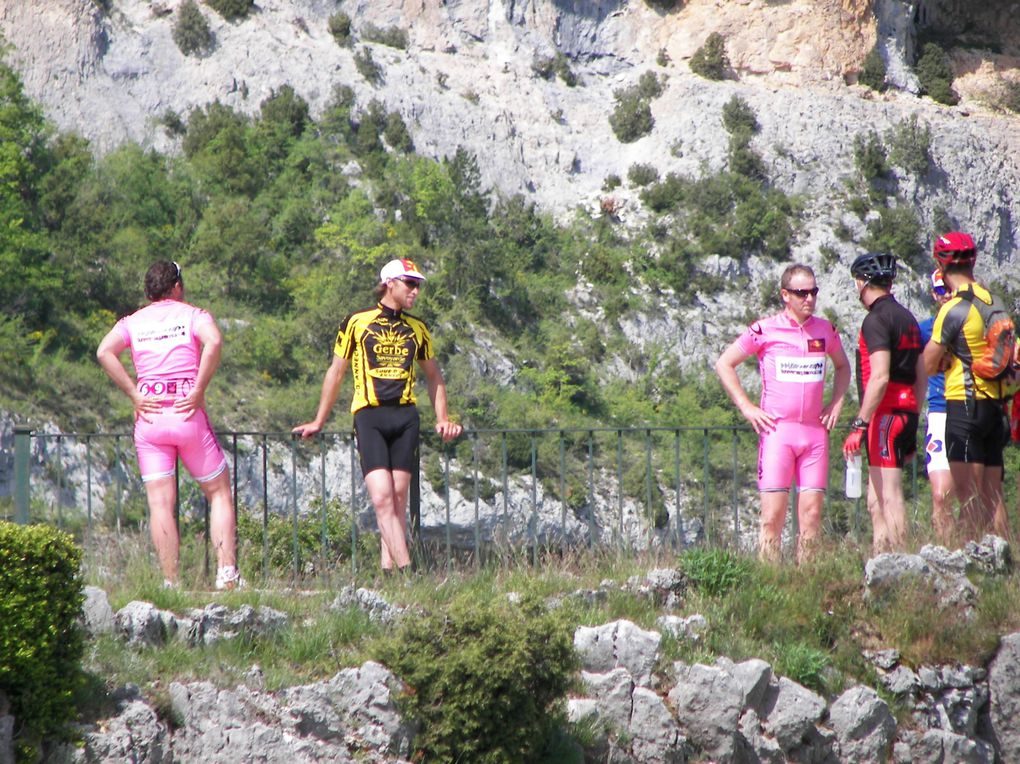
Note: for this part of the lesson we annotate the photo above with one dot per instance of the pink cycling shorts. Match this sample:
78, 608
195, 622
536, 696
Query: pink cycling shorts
168, 436
794, 450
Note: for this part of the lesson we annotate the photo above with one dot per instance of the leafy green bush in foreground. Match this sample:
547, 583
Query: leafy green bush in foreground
40, 642
484, 679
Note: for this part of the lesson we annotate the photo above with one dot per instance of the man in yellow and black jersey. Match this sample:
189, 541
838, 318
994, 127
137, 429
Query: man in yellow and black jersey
380, 346
977, 429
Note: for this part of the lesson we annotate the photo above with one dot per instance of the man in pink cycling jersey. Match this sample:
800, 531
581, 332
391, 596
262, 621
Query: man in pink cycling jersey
175, 348
792, 420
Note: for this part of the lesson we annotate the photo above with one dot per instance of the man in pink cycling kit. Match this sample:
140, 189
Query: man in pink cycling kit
175, 348
792, 420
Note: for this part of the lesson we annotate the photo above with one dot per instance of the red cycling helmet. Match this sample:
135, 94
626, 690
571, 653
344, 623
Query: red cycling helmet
955, 248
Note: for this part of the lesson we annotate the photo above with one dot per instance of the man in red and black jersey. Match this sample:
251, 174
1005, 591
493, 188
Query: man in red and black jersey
890, 382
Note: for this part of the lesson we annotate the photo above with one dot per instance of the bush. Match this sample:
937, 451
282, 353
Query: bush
663, 59
394, 37
649, 86
870, 157
710, 61
935, 75
396, 134
873, 71
898, 231
232, 10
739, 118
323, 544
611, 182
714, 572
642, 174
191, 31
632, 118
340, 28
910, 145
368, 68
485, 679
40, 641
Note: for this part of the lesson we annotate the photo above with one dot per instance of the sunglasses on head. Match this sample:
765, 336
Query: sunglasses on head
804, 293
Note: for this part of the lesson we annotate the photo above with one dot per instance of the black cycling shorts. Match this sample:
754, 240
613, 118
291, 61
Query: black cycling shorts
387, 437
977, 436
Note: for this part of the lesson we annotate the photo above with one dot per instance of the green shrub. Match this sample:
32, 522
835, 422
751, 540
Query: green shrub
642, 174
739, 118
632, 118
650, 86
936, 75
563, 70
663, 59
396, 134
897, 230
663, 5
340, 28
394, 37
40, 641
368, 68
172, 123
485, 680
232, 10
870, 156
804, 664
191, 31
714, 572
611, 182
710, 60
873, 71
910, 145
323, 543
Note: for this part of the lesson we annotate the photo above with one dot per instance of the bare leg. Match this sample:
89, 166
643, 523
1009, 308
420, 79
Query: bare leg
809, 518
994, 504
773, 516
879, 533
889, 505
222, 520
967, 480
162, 494
388, 492
942, 519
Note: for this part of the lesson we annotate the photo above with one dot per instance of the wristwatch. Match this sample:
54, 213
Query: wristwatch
858, 424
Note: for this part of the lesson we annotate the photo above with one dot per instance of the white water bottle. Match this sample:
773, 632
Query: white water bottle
853, 477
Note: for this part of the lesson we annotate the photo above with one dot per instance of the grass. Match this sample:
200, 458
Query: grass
811, 623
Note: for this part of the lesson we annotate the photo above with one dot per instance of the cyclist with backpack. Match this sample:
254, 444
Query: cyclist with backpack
976, 336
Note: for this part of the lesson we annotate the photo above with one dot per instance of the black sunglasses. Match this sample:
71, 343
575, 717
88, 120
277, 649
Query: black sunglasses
804, 293
411, 283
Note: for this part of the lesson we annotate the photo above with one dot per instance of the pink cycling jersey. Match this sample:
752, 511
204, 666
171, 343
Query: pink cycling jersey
166, 352
791, 358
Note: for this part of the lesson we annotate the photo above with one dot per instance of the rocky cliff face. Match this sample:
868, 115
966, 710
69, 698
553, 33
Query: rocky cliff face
109, 70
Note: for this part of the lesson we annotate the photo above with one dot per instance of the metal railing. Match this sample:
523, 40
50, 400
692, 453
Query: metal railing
492, 491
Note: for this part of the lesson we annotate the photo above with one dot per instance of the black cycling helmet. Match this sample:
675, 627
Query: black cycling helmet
876, 268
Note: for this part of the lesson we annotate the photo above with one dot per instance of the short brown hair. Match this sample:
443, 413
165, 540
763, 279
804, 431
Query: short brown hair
161, 278
793, 270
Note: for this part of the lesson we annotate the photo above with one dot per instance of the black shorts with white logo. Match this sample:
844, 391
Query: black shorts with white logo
387, 437
978, 435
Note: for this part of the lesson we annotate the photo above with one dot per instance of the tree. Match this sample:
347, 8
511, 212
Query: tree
191, 31
710, 60
936, 75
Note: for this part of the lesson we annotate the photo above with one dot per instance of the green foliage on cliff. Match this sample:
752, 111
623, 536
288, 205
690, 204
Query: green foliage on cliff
281, 222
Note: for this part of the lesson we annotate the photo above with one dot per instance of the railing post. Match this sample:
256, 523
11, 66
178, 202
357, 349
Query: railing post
22, 473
